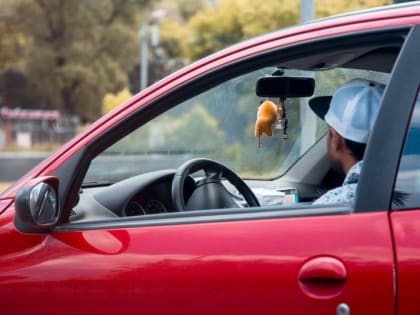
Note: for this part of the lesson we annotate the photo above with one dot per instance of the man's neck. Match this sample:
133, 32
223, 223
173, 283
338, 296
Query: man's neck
348, 164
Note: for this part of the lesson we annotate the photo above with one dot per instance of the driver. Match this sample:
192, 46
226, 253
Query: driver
350, 119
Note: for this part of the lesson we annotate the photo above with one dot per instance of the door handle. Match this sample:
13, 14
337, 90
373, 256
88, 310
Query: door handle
322, 277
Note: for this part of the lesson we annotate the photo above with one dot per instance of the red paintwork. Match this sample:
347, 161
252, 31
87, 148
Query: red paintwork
242, 267
322, 277
323, 268
4, 204
406, 230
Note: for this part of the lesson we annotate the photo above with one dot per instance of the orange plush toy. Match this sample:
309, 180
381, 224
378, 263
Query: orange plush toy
266, 117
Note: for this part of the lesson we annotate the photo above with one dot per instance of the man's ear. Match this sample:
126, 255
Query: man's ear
336, 140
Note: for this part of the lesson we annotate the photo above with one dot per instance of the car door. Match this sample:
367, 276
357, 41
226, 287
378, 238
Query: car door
308, 261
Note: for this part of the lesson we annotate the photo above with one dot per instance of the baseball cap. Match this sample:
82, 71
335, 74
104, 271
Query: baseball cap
354, 107
320, 105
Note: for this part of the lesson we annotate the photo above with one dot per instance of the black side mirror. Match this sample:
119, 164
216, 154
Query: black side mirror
285, 87
36, 205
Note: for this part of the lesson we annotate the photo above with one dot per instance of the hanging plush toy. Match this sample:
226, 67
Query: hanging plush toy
266, 118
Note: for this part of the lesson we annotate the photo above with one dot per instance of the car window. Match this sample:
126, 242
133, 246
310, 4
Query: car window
407, 187
219, 124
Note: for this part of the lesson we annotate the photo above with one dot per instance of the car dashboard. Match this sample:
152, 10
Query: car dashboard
144, 194
150, 194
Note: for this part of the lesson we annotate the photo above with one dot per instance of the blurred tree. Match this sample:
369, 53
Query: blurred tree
14, 88
213, 29
230, 21
112, 100
77, 51
173, 30
330, 7
188, 8
80, 50
180, 132
12, 43
175, 132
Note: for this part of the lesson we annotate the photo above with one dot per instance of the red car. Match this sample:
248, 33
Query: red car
168, 205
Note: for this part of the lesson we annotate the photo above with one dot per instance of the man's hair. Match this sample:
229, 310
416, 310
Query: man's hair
357, 149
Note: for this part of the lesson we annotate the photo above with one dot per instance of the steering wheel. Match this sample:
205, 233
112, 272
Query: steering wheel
209, 192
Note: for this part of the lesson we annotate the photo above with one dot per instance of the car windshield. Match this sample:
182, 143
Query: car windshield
219, 124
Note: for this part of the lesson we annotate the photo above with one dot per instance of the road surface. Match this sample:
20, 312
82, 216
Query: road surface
14, 165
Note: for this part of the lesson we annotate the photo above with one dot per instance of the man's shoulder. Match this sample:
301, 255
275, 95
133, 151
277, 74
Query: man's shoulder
342, 194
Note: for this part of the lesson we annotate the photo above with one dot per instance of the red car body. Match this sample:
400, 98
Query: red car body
368, 261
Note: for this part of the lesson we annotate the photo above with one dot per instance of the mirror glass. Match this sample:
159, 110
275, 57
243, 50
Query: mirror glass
43, 204
272, 86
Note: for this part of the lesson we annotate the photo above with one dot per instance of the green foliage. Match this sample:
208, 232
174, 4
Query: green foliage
186, 130
80, 50
330, 7
171, 34
12, 43
213, 30
274, 14
177, 133
232, 21
73, 52
188, 8
112, 100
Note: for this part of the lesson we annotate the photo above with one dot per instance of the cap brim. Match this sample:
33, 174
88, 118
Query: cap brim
320, 105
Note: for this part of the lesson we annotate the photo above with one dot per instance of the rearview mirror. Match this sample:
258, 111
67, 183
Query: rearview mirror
37, 206
276, 86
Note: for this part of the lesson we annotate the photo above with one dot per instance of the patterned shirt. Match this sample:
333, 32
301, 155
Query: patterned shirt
344, 193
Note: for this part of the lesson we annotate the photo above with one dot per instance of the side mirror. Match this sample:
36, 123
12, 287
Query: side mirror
36, 205
277, 86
